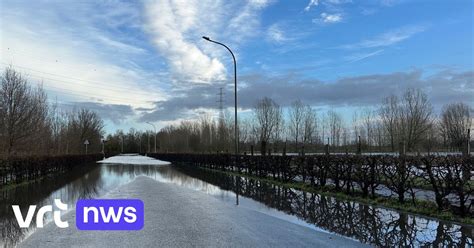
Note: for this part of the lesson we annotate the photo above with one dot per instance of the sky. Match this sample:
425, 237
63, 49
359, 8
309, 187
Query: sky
135, 62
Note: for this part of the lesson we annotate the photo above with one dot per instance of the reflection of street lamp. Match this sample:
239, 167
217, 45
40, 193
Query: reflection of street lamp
154, 128
235, 93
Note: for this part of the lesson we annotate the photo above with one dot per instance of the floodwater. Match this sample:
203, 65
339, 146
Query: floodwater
368, 224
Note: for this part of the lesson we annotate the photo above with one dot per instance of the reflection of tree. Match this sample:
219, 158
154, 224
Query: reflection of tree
81, 182
369, 224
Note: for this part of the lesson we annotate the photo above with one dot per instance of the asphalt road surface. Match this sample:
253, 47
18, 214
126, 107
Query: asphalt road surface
179, 217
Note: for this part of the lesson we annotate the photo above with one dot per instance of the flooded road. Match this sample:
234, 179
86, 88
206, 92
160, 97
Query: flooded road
372, 225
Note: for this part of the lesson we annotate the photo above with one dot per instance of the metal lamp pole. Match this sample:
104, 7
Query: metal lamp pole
154, 128
235, 93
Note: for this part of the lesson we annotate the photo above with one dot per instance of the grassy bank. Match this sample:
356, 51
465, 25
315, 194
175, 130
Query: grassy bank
419, 207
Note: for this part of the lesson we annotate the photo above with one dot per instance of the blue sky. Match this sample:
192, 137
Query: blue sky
134, 61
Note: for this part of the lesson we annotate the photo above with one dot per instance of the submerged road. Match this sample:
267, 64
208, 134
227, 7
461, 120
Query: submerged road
180, 217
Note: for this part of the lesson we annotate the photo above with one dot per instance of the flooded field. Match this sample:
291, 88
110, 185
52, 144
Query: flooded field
368, 224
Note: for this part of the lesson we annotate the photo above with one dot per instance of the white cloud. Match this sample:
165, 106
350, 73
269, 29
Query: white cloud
389, 38
73, 58
329, 18
368, 11
260, 3
361, 56
276, 34
245, 21
327, 3
176, 28
168, 22
120, 45
311, 4
389, 3
338, 1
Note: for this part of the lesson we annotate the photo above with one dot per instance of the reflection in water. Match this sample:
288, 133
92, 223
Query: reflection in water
368, 224
83, 182
365, 223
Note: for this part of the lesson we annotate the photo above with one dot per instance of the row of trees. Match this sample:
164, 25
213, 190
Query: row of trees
401, 122
405, 123
29, 125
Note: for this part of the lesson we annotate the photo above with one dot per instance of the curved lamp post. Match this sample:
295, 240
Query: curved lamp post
154, 128
235, 93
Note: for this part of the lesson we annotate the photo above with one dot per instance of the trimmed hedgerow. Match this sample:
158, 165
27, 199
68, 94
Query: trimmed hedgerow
19, 169
361, 174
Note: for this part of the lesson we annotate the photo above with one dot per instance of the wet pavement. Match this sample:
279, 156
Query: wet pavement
182, 217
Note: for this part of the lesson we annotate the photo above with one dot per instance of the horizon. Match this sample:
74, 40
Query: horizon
249, 123
146, 62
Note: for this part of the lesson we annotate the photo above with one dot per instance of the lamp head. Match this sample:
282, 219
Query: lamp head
206, 38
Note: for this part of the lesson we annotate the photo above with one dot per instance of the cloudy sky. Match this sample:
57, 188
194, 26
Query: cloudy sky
134, 62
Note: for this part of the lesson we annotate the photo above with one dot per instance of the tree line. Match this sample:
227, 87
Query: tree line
30, 125
401, 123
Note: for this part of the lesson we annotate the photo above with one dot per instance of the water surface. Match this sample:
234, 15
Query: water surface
368, 224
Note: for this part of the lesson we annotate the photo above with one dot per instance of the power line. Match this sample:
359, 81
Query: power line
88, 95
96, 87
95, 83
84, 94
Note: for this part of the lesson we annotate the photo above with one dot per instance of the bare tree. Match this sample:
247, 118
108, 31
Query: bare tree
368, 119
415, 118
309, 124
379, 134
389, 113
24, 110
335, 127
244, 132
268, 117
206, 125
345, 137
296, 119
454, 121
355, 127
58, 123
84, 125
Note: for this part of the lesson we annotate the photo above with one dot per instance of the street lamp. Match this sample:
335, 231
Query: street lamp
154, 128
235, 93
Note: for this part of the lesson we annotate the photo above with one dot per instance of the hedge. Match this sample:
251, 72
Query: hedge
444, 175
20, 169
